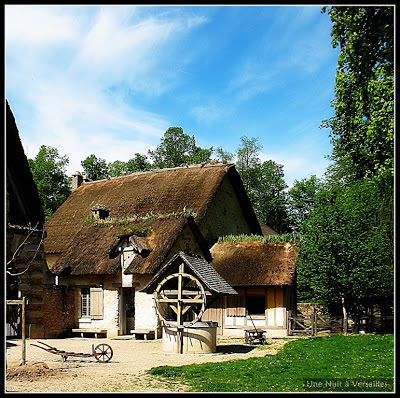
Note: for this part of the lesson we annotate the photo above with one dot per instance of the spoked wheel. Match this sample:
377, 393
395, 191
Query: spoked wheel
103, 353
181, 292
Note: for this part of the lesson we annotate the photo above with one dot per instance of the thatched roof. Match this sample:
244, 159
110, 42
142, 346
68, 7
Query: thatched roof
157, 191
94, 249
197, 267
255, 263
85, 255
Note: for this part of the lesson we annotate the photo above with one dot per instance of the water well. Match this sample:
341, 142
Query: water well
180, 291
198, 338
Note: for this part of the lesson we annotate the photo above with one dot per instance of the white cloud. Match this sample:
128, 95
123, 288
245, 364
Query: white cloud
40, 26
64, 62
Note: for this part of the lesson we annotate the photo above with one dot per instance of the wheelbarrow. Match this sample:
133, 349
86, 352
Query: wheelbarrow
103, 352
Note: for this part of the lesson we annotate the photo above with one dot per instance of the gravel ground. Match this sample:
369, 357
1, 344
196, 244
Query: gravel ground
126, 372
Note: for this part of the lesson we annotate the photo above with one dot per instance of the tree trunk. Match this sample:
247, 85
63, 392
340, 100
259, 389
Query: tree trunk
345, 322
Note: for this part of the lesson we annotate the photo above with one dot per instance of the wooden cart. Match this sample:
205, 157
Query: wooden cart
252, 336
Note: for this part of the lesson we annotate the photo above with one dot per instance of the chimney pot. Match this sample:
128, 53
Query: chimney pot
77, 180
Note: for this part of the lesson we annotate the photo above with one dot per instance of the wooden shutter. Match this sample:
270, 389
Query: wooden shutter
96, 303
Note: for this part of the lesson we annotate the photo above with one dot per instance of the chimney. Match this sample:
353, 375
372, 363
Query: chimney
77, 180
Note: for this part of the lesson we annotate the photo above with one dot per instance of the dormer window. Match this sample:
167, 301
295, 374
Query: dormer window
100, 212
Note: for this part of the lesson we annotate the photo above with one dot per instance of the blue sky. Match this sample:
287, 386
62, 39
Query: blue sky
110, 80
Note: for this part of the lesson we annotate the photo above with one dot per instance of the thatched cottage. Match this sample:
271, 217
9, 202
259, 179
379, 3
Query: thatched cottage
110, 237
263, 274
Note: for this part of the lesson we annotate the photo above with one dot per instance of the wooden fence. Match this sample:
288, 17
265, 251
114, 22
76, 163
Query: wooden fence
311, 325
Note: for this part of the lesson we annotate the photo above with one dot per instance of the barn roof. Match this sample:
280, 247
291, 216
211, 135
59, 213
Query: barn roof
156, 191
198, 267
255, 263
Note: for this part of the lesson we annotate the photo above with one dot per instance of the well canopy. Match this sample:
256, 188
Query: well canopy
196, 266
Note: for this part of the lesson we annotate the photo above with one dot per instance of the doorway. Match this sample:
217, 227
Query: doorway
128, 310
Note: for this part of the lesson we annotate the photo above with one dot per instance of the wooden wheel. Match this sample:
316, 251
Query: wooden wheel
103, 353
181, 292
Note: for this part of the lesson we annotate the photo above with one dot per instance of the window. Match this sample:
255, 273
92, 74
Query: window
85, 303
256, 305
92, 303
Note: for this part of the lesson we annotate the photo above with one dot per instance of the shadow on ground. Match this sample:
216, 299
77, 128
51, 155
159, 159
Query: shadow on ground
234, 349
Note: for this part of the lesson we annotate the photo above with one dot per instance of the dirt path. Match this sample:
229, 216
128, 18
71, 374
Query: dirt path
126, 372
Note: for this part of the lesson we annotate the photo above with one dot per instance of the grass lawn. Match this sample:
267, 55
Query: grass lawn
330, 363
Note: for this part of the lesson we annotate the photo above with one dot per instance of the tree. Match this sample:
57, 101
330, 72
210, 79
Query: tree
264, 184
300, 200
223, 156
268, 195
49, 173
362, 129
178, 149
248, 160
137, 163
346, 251
95, 168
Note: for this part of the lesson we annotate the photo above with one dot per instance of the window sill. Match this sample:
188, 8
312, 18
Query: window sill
262, 317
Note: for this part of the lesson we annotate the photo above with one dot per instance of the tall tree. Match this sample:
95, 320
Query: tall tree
346, 250
178, 149
49, 173
95, 168
362, 129
269, 197
301, 199
248, 160
347, 241
264, 184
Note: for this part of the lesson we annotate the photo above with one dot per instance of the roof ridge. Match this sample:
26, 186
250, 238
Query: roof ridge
154, 171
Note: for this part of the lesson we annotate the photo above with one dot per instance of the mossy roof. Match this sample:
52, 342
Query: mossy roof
255, 263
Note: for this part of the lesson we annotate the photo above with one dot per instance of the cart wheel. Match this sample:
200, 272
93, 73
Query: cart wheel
103, 353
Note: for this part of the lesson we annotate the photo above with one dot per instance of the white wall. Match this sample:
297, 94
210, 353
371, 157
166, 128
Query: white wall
110, 315
145, 312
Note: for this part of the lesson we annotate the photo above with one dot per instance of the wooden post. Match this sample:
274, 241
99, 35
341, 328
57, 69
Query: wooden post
315, 322
23, 360
344, 318
179, 329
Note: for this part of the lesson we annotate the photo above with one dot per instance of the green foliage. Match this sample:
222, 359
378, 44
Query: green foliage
362, 129
300, 199
351, 359
178, 149
95, 168
294, 238
248, 160
347, 240
49, 173
264, 184
223, 156
137, 163
269, 197
130, 225
347, 248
